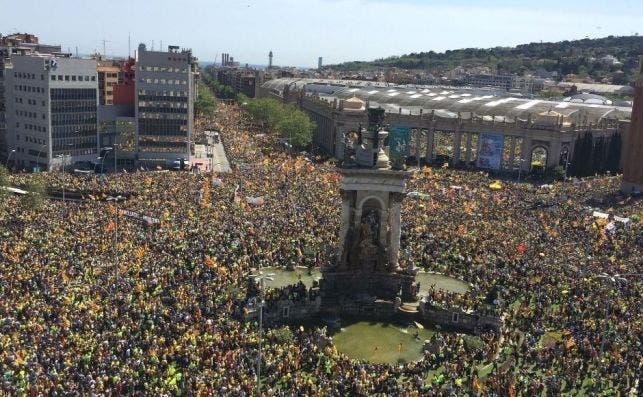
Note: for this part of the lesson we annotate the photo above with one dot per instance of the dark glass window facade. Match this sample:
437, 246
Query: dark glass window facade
73, 120
162, 122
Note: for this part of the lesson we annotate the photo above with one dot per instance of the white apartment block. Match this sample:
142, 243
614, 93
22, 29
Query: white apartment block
51, 109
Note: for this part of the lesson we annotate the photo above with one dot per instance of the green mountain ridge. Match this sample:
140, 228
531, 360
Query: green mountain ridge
580, 57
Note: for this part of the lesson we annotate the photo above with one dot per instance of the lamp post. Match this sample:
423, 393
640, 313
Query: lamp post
62, 159
42, 147
116, 200
102, 162
9, 156
115, 166
261, 278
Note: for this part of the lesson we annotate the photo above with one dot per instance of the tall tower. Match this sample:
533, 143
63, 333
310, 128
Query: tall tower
633, 156
319, 63
270, 60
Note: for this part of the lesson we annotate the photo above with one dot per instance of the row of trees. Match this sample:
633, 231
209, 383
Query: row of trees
205, 103
221, 91
596, 156
285, 119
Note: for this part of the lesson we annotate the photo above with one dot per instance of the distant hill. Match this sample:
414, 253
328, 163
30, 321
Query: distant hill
580, 57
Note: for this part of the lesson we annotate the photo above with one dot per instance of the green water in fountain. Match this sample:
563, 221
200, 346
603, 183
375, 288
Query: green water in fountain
441, 282
377, 342
283, 277
380, 342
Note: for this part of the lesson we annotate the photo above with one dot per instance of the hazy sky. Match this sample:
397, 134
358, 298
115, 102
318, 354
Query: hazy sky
299, 31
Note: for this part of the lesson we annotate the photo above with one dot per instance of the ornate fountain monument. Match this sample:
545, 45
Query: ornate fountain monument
368, 276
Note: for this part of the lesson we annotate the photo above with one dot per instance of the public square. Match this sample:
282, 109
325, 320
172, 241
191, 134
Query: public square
97, 302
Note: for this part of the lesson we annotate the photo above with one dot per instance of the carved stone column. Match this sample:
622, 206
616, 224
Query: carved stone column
553, 153
430, 138
468, 152
512, 154
395, 222
348, 198
526, 153
457, 142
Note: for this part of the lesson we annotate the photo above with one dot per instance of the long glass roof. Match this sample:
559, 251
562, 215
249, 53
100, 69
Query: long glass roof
448, 101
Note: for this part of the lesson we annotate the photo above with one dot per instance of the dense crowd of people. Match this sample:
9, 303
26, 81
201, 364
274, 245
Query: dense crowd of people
93, 301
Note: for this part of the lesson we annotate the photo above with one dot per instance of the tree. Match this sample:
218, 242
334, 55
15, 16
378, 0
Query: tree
204, 105
581, 164
35, 194
598, 156
267, 111
613, 157
297, 128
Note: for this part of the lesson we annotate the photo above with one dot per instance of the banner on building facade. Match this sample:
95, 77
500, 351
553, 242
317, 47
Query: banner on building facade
490, 151
398, 141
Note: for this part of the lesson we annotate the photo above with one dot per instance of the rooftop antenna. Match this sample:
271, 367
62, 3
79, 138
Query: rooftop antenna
76, 51
152, 45
129, 45
161, 46
105, 47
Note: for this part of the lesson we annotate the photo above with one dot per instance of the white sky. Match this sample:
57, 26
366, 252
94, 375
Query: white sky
299, 31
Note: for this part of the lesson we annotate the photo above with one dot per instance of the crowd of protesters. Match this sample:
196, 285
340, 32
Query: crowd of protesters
92, 301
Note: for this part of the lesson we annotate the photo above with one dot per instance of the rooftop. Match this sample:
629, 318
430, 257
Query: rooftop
448, 102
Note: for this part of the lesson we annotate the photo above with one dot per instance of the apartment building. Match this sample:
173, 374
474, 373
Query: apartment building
165, 94
51, 104
10, 45
107, 78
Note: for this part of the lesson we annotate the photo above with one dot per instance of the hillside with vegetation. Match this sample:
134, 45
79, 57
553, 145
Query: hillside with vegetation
579, 57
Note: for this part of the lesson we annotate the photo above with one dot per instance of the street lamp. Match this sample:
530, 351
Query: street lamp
42, 147
9, 156
102, 162
116, 200
62, 159
259, 301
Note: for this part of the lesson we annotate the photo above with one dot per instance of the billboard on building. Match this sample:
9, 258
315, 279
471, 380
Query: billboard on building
490, 151
398, 142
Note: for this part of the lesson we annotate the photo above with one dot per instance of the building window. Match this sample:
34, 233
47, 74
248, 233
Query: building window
66, 77
73, 78
455, 317
93, 78
53, 77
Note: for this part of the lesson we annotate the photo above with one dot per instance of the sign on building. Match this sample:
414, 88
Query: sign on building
490, 151
398, 142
